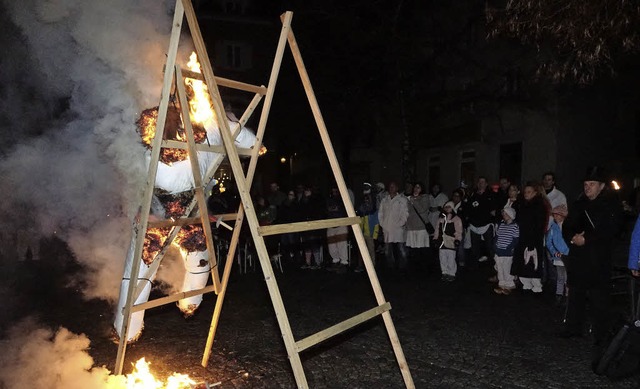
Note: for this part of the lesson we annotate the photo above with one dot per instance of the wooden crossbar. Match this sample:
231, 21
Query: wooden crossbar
307, 226
185, 221
341, 327
172, 298
176, 144
226, 82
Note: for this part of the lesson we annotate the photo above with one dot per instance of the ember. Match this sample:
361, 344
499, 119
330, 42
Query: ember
191, 238
175, 205
173, 130
153, 242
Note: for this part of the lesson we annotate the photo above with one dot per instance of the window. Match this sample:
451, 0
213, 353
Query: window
467, 167
233, 55
511, 162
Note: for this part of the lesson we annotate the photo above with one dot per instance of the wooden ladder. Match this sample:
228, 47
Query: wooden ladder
294, 347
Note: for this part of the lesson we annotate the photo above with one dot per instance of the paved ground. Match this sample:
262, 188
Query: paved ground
454, 335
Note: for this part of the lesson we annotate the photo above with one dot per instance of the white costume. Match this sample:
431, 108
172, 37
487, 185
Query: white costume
176, 178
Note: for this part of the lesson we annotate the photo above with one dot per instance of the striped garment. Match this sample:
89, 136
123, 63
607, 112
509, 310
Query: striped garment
506, 238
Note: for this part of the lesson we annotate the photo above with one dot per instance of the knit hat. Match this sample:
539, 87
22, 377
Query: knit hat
448, 204
560, 210
366, 188
380, 186
510, 212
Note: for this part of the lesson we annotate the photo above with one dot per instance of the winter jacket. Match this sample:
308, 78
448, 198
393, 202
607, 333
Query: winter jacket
555, 242
600, 219
448, 231
634, 247
393, 214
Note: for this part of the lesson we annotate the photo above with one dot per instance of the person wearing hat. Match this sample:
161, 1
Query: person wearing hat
590, 227
448, 234
558, 248
507, 235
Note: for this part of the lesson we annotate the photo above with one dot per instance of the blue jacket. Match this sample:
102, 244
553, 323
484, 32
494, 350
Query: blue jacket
634, 246
554, 240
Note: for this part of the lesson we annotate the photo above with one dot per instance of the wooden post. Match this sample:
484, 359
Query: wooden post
335, 167
141, 227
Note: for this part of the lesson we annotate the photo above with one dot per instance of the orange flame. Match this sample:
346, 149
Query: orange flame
200, 103
142, 378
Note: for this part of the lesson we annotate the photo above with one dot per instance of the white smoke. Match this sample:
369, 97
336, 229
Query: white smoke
42, 358
77, 75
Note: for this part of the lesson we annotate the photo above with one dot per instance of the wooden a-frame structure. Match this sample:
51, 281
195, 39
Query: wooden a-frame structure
173, 77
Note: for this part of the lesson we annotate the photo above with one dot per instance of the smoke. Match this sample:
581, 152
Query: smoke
42, 358
78, 74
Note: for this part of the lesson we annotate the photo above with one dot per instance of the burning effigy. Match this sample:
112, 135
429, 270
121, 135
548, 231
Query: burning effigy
173, 192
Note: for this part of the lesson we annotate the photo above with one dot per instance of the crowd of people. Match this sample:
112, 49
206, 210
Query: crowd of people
529, 236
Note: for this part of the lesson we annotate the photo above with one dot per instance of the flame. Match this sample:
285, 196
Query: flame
199, 102
142, 378
153, 242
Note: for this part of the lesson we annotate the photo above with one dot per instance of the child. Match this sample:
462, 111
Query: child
507, 234
449, 233
558, 248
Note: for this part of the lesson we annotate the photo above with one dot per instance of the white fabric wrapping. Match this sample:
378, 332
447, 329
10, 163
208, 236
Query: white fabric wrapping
196, 277
137, 318
177, 177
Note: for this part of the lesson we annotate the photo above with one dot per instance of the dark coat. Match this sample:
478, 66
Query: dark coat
533, 218
600, 219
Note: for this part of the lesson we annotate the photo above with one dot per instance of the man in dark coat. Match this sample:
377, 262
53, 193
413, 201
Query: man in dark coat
593, 221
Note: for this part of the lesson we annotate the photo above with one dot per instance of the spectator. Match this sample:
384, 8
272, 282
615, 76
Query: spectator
408, 189
393, 216
276, 196
337, 236
448, 235
369, 223
501, 197
290, 213
479, 212
590, 227
558, 249
529, 255
634, 250
555, 196
436, 200
459, 205
507, 235
311, 208
417, 235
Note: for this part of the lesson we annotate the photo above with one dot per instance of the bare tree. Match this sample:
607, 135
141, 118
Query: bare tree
575, 39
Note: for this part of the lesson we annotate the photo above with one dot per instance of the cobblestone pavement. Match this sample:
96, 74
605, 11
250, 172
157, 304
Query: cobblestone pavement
454, 335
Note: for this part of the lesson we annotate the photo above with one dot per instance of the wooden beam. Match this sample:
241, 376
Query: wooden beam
227, 82
184, 221
198, 185
172, 298
341, 327
176, 144
307, 226
145, 206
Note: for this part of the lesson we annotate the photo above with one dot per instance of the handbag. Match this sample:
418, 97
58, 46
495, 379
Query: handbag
428, 226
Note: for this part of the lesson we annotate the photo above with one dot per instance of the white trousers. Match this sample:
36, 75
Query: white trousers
337, 244
448, 264
503, 268
533, 284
